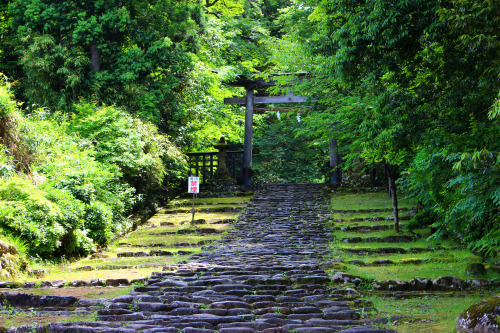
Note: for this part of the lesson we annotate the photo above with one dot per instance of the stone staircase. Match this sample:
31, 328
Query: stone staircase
265, 275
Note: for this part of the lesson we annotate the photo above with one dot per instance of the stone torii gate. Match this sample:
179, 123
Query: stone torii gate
251, 83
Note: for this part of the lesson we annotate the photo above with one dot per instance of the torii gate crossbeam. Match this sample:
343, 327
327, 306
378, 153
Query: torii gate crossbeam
251, 84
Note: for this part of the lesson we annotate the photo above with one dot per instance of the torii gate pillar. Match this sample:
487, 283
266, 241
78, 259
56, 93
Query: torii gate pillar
251, 83
247, 150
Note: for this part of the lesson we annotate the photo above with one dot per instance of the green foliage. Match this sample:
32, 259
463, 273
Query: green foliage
134, 54
87, 175
27, 212
146, 159
412, 84
282, 155
20, 245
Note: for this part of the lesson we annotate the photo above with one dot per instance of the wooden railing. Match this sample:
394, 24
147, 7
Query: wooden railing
204, 165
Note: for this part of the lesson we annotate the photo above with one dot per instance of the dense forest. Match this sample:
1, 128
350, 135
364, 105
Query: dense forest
100, 100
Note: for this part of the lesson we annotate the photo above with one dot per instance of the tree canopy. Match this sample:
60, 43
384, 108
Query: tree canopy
410, 87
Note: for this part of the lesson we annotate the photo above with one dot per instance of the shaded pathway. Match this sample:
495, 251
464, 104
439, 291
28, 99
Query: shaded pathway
265, 275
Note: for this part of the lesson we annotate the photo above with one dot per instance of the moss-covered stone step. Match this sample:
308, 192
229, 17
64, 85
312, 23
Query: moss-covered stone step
387, 239
173, 245
366, 228
184, 205
372, 219
189, 231
161, 253
76, 283
440, 284
377, 210
406, 261
390, 250
114, 267
229, 209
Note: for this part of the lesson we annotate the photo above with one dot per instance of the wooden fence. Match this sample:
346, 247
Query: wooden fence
204, 165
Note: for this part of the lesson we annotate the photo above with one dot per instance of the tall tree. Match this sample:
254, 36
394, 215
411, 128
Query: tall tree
130, 53
409, 83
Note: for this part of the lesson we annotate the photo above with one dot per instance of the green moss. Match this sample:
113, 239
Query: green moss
364, 201
432, 313
481, 312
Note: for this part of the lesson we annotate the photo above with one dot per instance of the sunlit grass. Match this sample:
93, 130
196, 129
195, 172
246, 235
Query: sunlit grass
33, 318
431, 314
141, 240
79, 292
365, 201
381, 216
381, 233
178, 218
68, 275
446, 255
421, 243
206, 201
429, 270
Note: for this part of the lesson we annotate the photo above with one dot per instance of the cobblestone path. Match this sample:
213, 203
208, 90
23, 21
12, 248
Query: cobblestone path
264, 276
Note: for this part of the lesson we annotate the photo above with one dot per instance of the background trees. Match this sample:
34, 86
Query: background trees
409, 86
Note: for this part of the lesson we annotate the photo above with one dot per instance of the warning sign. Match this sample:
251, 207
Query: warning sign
194, 185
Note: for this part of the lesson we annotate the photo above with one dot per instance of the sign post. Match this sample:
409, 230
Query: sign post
193, 187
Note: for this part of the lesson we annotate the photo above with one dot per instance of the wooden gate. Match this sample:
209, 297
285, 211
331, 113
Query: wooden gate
204, 165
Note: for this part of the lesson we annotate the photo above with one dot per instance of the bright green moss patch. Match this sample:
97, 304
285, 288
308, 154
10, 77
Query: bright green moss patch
364, 201
404, 272
207, 201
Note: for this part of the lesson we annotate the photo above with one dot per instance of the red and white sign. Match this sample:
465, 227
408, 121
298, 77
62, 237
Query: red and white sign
194, 185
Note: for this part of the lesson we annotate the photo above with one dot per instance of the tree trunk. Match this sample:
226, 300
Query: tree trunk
394, 195
95, 55
336, 175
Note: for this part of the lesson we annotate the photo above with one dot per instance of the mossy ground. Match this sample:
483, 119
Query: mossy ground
8, 320
430, 314
432, 258
144, 239
364, 201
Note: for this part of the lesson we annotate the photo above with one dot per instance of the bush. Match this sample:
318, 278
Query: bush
76, 181
147, 160
28, 212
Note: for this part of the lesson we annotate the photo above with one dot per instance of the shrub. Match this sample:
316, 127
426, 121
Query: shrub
80, 178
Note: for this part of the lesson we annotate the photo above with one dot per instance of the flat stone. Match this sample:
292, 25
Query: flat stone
315, 330
342, 315
161, 330
258, 326
258, 298
58, 301
161, 253
117, 282
306, 310
125, 317
196, 330
237, 330
230, 305
151, 307
22, 299
227, 287
53, 284
210, 282
281, 321
367, 330
170, 283
184, 311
